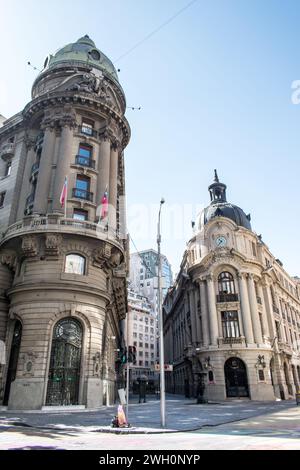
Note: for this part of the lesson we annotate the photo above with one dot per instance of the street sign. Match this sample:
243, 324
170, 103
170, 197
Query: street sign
168, 367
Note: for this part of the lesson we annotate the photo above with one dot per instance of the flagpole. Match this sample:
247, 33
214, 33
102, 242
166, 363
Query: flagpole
66, 197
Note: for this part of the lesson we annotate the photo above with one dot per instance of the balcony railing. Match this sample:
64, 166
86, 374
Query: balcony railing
7, 150
227, 298
231, 341
87, 131
85, 161
82, 194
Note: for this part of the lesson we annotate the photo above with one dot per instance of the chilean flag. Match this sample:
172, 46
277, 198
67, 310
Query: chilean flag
63, 195
104, 205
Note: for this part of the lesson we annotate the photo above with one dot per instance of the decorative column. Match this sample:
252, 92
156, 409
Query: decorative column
254, 311
270, 316
193, 313
103, 167
204, 313
264, 313
64, 160
45, 169
246, 314
113, 186
213, 314
25, 188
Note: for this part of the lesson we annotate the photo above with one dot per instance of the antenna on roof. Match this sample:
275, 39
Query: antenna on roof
32, 66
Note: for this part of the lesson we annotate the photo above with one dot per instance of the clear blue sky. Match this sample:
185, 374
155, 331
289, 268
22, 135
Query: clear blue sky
215, 89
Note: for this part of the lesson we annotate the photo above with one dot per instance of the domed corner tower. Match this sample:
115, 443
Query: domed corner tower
226, 267
64, 246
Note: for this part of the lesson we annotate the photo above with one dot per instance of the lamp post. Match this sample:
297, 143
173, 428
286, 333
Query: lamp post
161, 327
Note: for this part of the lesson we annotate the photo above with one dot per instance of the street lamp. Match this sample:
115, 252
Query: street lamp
161, 327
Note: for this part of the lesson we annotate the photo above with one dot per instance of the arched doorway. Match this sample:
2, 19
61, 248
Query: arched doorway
236, 378
13, 360
64, 370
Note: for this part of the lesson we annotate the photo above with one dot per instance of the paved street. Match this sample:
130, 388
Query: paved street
248, 425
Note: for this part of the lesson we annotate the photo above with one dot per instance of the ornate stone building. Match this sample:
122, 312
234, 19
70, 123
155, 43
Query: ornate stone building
232, 318
63, 265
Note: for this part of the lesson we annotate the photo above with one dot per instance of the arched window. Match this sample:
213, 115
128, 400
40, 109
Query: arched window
226, 283
65, 359
75, 264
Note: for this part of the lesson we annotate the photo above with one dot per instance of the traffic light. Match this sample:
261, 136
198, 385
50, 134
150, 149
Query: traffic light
123, 355
133, 355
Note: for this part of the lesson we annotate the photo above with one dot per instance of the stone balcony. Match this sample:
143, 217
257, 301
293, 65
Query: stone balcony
233, 343
7, 151
58, 224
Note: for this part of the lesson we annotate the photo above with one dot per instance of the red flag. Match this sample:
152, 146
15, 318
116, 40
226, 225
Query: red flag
63, 195
104, 205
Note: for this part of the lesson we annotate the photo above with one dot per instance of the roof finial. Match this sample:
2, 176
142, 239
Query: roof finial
216, 177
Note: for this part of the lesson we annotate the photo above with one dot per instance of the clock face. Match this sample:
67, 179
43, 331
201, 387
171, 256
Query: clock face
221, 242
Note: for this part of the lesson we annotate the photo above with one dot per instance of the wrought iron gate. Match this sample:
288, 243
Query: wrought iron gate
64, 371
236, 378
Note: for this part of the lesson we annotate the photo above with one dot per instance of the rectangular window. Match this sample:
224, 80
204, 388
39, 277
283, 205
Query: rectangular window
277, 330
80, 214
2, 197
261, 375
135, 335
230, 324
85, 151
82, 183
82, 189
254, 249
140, 345
87, 127
84, 156
8, 169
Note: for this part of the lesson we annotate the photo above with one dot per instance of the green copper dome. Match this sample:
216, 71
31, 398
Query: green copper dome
83, 51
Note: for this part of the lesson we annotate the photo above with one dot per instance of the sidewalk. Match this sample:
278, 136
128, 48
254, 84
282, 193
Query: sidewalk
181, 415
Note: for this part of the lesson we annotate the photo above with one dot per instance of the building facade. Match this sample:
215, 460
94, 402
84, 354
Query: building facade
63, 248
233, 314
143, 280
142, 333
143, 274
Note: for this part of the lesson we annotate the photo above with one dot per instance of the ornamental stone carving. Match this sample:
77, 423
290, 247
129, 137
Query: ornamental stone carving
87, 83
29, 245
9, 259
29, 363
61, 117
97, 365
52, 244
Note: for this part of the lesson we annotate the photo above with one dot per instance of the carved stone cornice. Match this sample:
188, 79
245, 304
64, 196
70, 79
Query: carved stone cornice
52, 100
29, 141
